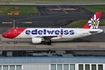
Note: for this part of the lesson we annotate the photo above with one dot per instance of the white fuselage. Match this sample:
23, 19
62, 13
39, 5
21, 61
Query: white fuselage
58, 33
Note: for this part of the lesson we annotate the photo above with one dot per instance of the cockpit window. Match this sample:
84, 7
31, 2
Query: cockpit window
7, 31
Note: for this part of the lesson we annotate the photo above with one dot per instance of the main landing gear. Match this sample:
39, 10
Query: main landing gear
48, 42
15, 42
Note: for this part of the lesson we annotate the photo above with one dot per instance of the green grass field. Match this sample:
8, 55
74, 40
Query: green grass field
80, 23
24, 10
51, 0
94, 8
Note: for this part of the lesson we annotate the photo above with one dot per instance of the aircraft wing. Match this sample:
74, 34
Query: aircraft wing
48, 37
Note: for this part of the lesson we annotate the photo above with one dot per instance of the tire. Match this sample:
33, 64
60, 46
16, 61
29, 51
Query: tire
15, 42
49, 42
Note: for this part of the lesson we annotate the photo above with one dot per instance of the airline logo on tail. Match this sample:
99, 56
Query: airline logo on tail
94, 21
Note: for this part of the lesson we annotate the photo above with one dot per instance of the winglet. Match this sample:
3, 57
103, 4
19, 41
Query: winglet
94, 21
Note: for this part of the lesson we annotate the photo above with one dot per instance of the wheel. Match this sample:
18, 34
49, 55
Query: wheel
8, 42
15, 42
49, 42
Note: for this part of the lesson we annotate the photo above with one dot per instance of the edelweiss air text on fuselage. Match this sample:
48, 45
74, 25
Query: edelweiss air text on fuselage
59, 32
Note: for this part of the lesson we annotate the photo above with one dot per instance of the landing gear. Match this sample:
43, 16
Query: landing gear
15, 42
48, 42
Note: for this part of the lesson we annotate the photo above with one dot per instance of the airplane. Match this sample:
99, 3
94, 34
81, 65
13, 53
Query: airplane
47, 34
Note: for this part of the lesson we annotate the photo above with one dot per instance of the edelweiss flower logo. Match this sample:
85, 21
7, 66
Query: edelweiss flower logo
93, 22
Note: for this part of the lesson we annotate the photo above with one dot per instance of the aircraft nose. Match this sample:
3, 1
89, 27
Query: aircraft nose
4, 35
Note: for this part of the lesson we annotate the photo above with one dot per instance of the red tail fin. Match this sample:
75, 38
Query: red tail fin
94, 21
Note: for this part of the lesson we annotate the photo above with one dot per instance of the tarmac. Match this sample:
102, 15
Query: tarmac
61, 9
72, 46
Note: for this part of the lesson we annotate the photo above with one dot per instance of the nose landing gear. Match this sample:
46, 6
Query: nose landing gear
15, 42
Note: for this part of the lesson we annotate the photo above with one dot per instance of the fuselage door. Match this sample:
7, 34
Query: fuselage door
15, 32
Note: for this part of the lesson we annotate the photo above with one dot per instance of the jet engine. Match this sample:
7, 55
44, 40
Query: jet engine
36, 40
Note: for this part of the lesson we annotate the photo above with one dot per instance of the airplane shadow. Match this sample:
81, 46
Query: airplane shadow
74, 40
64, 41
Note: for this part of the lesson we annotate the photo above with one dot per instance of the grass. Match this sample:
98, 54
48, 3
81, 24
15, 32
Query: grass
52, 0
80, 23
6, 9
94, 8
24, 10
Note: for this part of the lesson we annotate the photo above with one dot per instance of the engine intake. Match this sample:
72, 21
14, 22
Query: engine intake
36, 40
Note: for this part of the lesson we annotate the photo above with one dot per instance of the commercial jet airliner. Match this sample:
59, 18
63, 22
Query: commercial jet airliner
47, 34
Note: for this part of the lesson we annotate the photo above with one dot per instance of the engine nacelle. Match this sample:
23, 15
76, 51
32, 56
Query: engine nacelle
36, 40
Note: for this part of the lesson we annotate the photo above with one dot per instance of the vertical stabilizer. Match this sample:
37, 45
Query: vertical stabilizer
93, 23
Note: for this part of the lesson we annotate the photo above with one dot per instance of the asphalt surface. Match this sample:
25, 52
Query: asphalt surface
44, 21
61, 9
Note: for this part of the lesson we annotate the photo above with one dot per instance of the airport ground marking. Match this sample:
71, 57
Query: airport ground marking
62, 9
6, 22
27, 22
